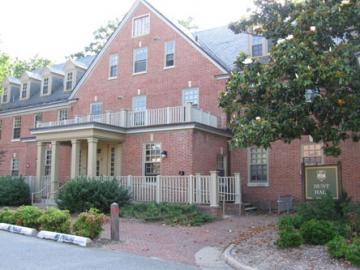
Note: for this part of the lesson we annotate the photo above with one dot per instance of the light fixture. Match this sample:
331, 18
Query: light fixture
310, 94
164, 154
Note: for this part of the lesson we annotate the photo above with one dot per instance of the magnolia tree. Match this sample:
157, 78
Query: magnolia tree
311, 82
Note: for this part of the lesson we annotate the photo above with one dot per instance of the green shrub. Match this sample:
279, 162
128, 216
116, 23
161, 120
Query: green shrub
168, 213
290, 221
289, 238
81, 194
89, 224
14, 191
337, 247
7, 216
55, 220
353, 254
317, 232
28, 216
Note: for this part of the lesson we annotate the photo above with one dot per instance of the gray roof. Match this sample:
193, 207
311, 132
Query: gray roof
58, 94
223, 44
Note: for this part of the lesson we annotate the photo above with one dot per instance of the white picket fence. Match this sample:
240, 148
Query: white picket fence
193, 189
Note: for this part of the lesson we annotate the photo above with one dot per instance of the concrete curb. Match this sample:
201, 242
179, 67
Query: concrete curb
232, 261
65, 238
18, 229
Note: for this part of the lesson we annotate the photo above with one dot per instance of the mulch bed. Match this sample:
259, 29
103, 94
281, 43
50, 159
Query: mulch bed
256, 248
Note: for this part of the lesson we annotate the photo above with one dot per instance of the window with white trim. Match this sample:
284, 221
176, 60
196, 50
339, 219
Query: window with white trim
112, 161
24, 89
190, 95
140, 60
14, 167
258, 165
45, 86
16, 127
69, 81
169, 54
37, 119
312, 154
113, 66
141, 26
139, 109
5, 95
152, 159
257, 46
96, 111
47, 163
62, 114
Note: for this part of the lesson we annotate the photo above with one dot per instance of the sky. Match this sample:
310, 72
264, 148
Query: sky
55, 29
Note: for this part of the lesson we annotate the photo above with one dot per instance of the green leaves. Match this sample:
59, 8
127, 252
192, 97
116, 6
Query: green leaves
316, 42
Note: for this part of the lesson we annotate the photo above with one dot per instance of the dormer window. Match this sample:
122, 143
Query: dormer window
5, 95
24, 91
141, 26
69, 81
45, 86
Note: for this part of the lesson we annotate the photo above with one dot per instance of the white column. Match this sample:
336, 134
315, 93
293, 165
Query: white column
92, 150
237, 188
54, 168
191, 189
39, 164
75, 158
214, 191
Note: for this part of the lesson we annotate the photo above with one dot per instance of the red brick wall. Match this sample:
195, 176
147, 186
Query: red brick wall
162, 87
285, 171
206, 147
178, 145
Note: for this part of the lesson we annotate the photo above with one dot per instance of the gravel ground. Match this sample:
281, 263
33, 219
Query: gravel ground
257, 249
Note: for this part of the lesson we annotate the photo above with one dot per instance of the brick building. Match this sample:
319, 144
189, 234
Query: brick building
147, 104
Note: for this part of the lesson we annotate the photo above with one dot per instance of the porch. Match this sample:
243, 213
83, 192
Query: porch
143, 118
92, 151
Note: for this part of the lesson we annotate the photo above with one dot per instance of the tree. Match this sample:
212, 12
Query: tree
18, 66
188, 23
100, 36
316, 42
5, 65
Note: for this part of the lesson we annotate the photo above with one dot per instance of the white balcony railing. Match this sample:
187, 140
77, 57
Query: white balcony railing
151, 117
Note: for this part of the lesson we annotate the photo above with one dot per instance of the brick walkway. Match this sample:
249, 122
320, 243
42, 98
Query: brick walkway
179, 243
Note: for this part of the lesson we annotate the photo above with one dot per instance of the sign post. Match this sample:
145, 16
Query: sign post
320, 180
114, 211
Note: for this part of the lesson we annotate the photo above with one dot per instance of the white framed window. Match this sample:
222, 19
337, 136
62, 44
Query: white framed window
140, 59
139, 110
45, 86
69, 80
112, 161
5, 95
24, 90
47, 163
312, 154
258, 166
113, 66
14, 167
37, 119
169, 54
16, 127
141, 26
96, 111
152, 159
190, 95
62, 114
257, 46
